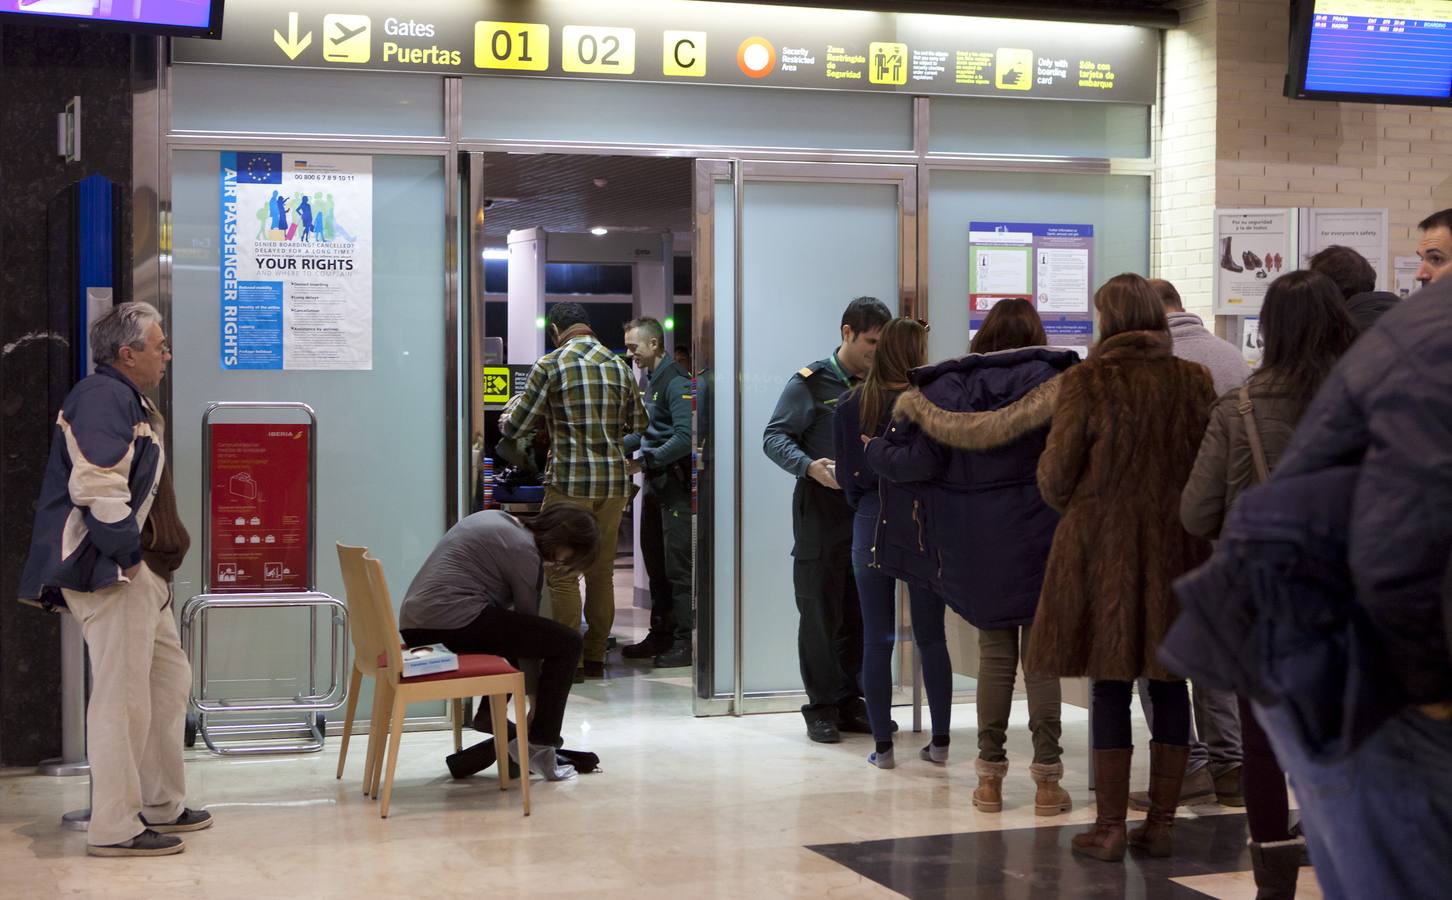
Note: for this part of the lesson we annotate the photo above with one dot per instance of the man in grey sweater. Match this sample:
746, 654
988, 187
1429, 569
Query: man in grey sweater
1213, 770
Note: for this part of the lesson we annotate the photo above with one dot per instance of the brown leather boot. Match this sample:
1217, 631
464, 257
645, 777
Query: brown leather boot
1111, 795
989, 796
1050, 800
1167, 771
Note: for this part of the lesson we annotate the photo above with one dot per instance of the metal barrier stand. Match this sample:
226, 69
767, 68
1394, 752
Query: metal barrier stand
195, 631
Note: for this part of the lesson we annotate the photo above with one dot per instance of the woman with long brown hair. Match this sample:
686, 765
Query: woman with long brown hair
987, 532
1126, 428
879, 561
1306, 328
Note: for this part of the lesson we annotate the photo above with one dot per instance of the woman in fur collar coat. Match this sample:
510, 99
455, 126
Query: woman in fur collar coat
1126, 429
983, 526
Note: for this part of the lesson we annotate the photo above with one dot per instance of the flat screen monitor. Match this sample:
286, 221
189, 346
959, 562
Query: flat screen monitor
180, 18
1372, 51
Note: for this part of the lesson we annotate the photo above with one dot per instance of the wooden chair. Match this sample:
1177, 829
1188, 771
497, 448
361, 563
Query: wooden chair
367, 645
478, 674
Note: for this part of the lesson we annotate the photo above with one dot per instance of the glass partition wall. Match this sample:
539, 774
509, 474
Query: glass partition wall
794, 216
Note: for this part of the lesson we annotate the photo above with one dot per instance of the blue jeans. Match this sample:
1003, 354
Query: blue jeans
1379, 822
878, 595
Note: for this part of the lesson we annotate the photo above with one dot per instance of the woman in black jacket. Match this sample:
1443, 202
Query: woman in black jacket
988, 531
878, 562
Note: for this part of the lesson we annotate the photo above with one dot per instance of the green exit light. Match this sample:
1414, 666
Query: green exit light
669, 324
539, 323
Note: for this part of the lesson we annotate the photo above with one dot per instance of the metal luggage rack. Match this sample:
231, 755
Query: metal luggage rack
249, 737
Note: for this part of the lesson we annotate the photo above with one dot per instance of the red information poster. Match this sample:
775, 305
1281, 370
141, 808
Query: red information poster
259, 508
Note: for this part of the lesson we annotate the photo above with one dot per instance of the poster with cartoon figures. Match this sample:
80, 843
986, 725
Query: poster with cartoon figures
297, 262
1253, 247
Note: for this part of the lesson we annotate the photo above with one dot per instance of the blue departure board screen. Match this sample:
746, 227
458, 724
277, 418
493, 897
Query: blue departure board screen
1379, 48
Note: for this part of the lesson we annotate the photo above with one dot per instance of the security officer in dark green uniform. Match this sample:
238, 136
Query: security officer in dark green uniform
665, 524
799, 439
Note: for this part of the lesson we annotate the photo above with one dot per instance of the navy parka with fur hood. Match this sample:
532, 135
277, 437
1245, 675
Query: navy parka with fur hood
981, 531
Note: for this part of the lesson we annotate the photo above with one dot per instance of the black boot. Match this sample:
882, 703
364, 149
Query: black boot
654, 644
1276, 866
475, 759
676, 657
1225, 260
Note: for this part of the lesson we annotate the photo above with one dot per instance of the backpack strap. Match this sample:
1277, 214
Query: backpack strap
1252, 434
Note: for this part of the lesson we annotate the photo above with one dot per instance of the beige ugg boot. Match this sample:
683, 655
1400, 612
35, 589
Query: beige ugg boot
1050, 800
989, 796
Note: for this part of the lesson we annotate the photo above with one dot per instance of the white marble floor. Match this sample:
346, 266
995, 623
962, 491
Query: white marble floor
720, 807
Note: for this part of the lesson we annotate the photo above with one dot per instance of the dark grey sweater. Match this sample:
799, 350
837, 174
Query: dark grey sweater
487, 559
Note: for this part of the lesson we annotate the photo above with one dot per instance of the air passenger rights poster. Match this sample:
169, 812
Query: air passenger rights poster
297, 262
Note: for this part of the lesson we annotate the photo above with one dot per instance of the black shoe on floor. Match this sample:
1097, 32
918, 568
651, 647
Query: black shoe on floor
147, 843
593, 668
189, 820
475, 759
653, 645
823, 732
676, 657
579, 676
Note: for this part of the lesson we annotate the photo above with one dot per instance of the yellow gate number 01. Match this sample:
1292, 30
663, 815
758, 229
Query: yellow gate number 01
511, 45
598, 49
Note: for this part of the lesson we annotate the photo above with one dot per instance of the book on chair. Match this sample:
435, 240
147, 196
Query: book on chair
429, 659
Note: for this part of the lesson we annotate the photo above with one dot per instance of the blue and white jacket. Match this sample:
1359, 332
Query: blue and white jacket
102, 477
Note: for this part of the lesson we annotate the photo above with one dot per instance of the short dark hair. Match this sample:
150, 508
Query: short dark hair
565, 316
1169, 296
651, 328
866, 314
1010, 325
565, 527
1441, 219
1348, 269
683, 348
1128, 303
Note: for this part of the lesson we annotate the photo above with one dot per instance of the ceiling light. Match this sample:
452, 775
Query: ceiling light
599, 232
496, 253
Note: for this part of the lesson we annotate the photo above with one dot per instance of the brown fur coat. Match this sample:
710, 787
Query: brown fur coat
1126, 428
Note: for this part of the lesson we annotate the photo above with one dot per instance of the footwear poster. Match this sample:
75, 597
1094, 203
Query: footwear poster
1252, 347
1050, 265
297, 262
1253, 248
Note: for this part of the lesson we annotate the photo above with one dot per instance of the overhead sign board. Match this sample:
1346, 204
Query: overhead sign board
697, 43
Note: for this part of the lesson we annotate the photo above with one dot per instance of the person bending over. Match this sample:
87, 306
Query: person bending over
478, 592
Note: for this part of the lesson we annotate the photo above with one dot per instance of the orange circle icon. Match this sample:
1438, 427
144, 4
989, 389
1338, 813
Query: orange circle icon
756, 57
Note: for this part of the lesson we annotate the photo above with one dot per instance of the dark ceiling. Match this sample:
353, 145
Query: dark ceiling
1157, 13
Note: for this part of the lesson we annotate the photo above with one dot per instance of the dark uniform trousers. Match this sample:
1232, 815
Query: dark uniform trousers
665, 546
829, 636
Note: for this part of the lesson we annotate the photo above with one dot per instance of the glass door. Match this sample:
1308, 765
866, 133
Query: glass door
781, 250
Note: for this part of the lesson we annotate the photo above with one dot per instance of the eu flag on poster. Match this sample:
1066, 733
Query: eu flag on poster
259, 168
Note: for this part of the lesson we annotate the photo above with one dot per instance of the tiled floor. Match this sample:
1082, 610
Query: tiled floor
684, 807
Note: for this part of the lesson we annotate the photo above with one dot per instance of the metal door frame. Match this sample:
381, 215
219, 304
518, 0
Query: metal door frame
709, 173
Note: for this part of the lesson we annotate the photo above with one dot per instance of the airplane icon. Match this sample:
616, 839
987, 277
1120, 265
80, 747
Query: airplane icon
349, 38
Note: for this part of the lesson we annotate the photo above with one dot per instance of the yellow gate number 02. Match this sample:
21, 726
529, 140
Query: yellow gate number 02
511, 45
599, 49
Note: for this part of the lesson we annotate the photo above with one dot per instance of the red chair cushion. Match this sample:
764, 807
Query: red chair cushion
471, 665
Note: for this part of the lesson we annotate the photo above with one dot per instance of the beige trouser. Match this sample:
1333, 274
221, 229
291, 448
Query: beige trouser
140, 679
599, 577
999, 652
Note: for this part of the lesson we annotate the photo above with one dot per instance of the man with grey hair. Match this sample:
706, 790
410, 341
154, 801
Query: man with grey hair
106, 539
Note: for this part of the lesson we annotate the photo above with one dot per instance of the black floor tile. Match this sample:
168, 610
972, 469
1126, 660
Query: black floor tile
1037, 864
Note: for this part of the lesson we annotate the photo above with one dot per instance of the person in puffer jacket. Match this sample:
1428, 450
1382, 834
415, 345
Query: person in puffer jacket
878, 562
105, 541
988, 531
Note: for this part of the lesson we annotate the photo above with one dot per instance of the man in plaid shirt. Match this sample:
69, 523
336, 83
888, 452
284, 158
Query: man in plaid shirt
591, 402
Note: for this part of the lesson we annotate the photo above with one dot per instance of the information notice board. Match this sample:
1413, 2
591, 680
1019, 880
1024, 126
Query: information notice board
259, 507
1049, 264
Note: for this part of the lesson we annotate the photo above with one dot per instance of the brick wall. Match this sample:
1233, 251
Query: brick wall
1184, 202
1271, 151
